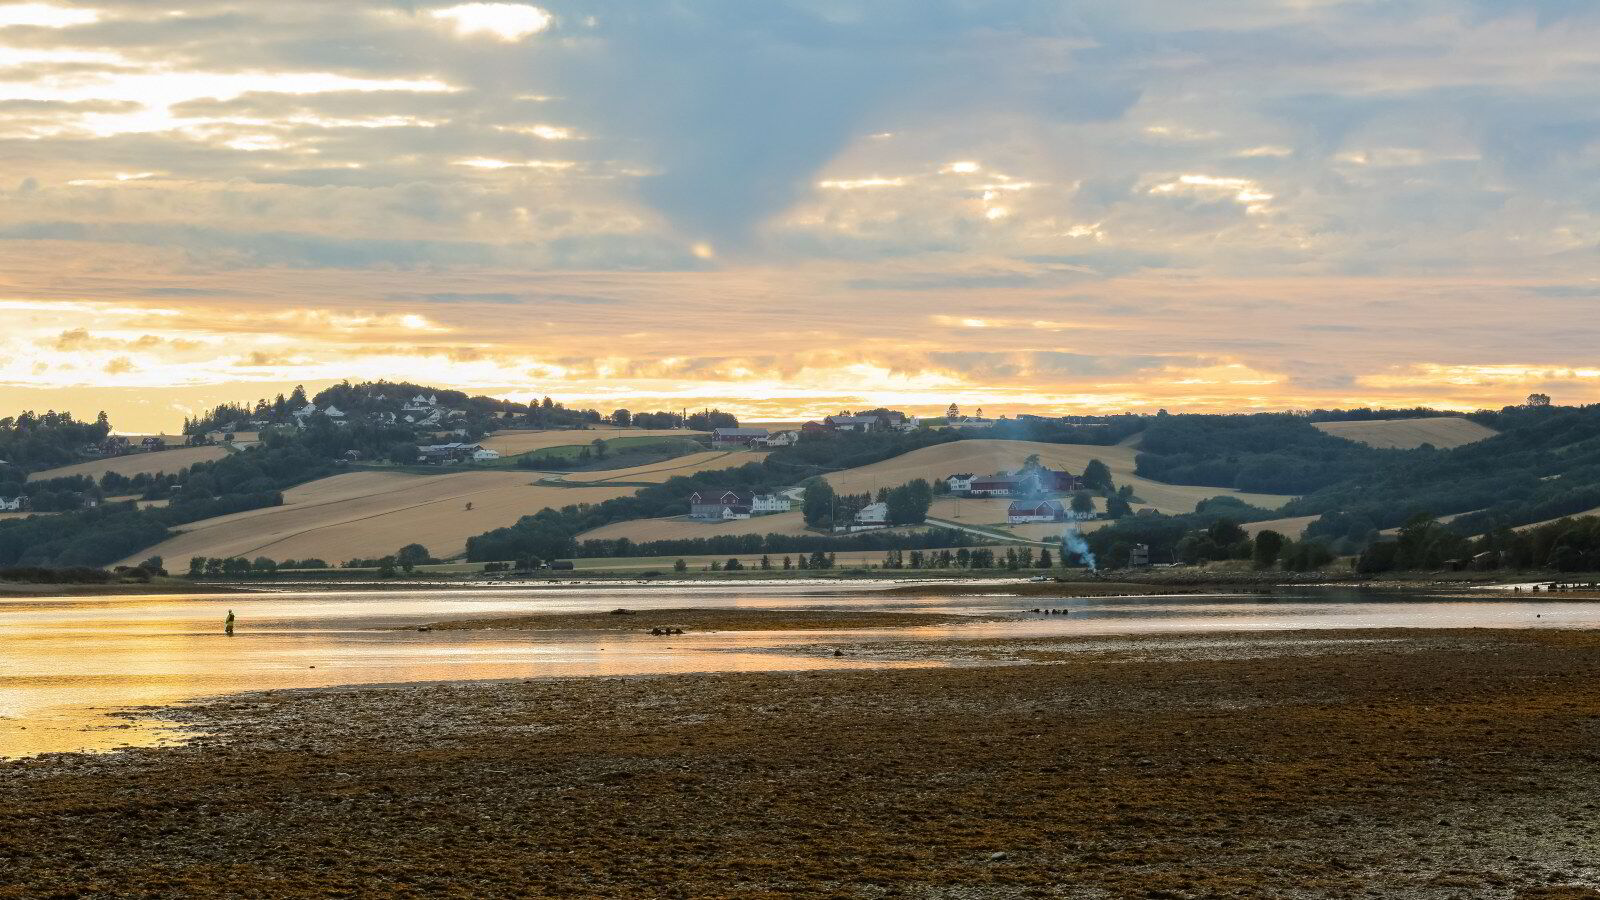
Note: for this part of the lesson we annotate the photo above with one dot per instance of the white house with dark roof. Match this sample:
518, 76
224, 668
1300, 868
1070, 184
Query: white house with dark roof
767, 504
960, 483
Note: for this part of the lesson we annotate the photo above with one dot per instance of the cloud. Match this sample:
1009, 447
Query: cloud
1149, 202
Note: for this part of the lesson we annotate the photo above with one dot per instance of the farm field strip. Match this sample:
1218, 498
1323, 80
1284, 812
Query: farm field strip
137, 463
516, 443
1408, 434
659, 472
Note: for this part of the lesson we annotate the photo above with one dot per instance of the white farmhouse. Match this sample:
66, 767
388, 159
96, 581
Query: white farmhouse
873, 514
960, 484
485, 455
766, 504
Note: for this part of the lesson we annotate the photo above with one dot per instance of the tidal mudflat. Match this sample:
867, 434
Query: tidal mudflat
1354, 762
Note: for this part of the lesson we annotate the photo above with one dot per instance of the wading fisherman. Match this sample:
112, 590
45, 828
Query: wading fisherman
227, 624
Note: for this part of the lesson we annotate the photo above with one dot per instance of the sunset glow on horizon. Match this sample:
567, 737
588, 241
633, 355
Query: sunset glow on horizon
785, 210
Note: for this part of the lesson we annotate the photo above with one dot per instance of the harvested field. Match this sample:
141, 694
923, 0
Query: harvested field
681, 527
658, 472
1291, 527
137, 463
987, 456
1408, 434
515, 443
1416, 764
370, 514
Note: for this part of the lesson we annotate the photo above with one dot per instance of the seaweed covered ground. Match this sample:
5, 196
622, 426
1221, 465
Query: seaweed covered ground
1312, 764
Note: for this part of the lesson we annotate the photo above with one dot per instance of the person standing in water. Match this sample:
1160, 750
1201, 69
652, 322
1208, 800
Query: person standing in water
227, 624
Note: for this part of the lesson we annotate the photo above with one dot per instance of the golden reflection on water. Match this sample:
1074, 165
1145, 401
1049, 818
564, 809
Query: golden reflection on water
69, 665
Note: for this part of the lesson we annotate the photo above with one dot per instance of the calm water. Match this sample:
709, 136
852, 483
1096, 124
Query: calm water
65, 663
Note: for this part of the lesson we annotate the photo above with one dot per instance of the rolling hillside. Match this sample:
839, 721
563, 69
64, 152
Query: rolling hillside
369, 514
168, 461
987, 456
1409, 434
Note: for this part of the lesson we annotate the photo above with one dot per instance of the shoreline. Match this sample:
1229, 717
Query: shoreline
1424, 763
1179, 581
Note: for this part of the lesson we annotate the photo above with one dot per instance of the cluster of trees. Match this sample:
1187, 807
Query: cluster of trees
1102, 430
1422, 543
1225, 539
55, 575
751, 544
907, 504
1014, 559
1274, 453
31, 442
405, 559
54, 494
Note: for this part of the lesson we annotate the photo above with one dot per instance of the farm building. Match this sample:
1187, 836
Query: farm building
451, 452
852, 423
738, 437
1023, 511
766, 504
713, 505
1021, 484
993, 486
873, 514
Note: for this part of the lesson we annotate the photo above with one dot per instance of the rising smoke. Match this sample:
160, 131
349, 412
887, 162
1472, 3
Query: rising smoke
1072, 542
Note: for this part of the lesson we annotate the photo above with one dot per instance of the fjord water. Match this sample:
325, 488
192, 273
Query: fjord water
69, 664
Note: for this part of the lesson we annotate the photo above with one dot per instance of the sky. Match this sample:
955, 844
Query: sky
796, 207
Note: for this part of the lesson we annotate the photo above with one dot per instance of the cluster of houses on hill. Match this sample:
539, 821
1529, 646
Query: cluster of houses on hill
118, 445
15, 504
1034, 489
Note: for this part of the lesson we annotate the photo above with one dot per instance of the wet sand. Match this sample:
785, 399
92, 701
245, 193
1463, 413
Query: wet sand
1393, 763
709, 619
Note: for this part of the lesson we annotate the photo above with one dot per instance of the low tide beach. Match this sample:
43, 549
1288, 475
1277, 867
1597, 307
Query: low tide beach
1026, 755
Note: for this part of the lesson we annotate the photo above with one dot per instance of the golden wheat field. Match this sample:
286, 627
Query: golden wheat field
656, 473
1409, 434
1291, 527
988, 456
168, 461
682, 527
370, 514
513, 443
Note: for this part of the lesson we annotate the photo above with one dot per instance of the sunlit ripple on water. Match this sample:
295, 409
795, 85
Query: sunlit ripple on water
67, 665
